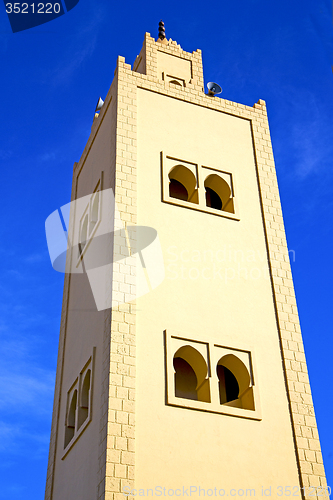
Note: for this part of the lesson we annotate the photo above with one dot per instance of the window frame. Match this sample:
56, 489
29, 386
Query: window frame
212, 350
77, 385
201, 172
88, 209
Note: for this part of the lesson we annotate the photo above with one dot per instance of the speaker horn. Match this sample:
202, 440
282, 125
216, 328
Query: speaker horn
213, 88
99, 105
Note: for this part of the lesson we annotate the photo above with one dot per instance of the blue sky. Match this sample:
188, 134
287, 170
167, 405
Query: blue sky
52, 76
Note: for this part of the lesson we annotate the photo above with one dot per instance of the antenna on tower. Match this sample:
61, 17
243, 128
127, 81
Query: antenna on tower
161, 30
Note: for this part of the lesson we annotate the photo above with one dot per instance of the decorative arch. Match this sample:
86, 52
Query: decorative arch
183, 184
176, 82
218, 194
94, 210
71, 419
83, 234
235, 387
84, 398
191, 370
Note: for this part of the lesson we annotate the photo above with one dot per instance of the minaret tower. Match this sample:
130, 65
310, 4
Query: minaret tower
194, 383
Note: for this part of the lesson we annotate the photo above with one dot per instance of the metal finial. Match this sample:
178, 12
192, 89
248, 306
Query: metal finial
161, 30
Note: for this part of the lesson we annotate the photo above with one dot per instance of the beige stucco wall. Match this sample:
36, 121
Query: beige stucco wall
178, 447
76, 474
173, 446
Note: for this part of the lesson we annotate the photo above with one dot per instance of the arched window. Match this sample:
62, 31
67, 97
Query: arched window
71, 418
228, 385
183, 184
234, 383
212, 199
185, 379
218, 194
190, 375
178, 190
84, 399
83, 234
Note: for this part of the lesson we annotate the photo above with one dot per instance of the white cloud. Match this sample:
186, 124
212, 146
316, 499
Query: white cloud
26, 387
9, 433
36, 257
309, 142
46, 157
21, 390
5, 155
306, 135
15, 439
87, 39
